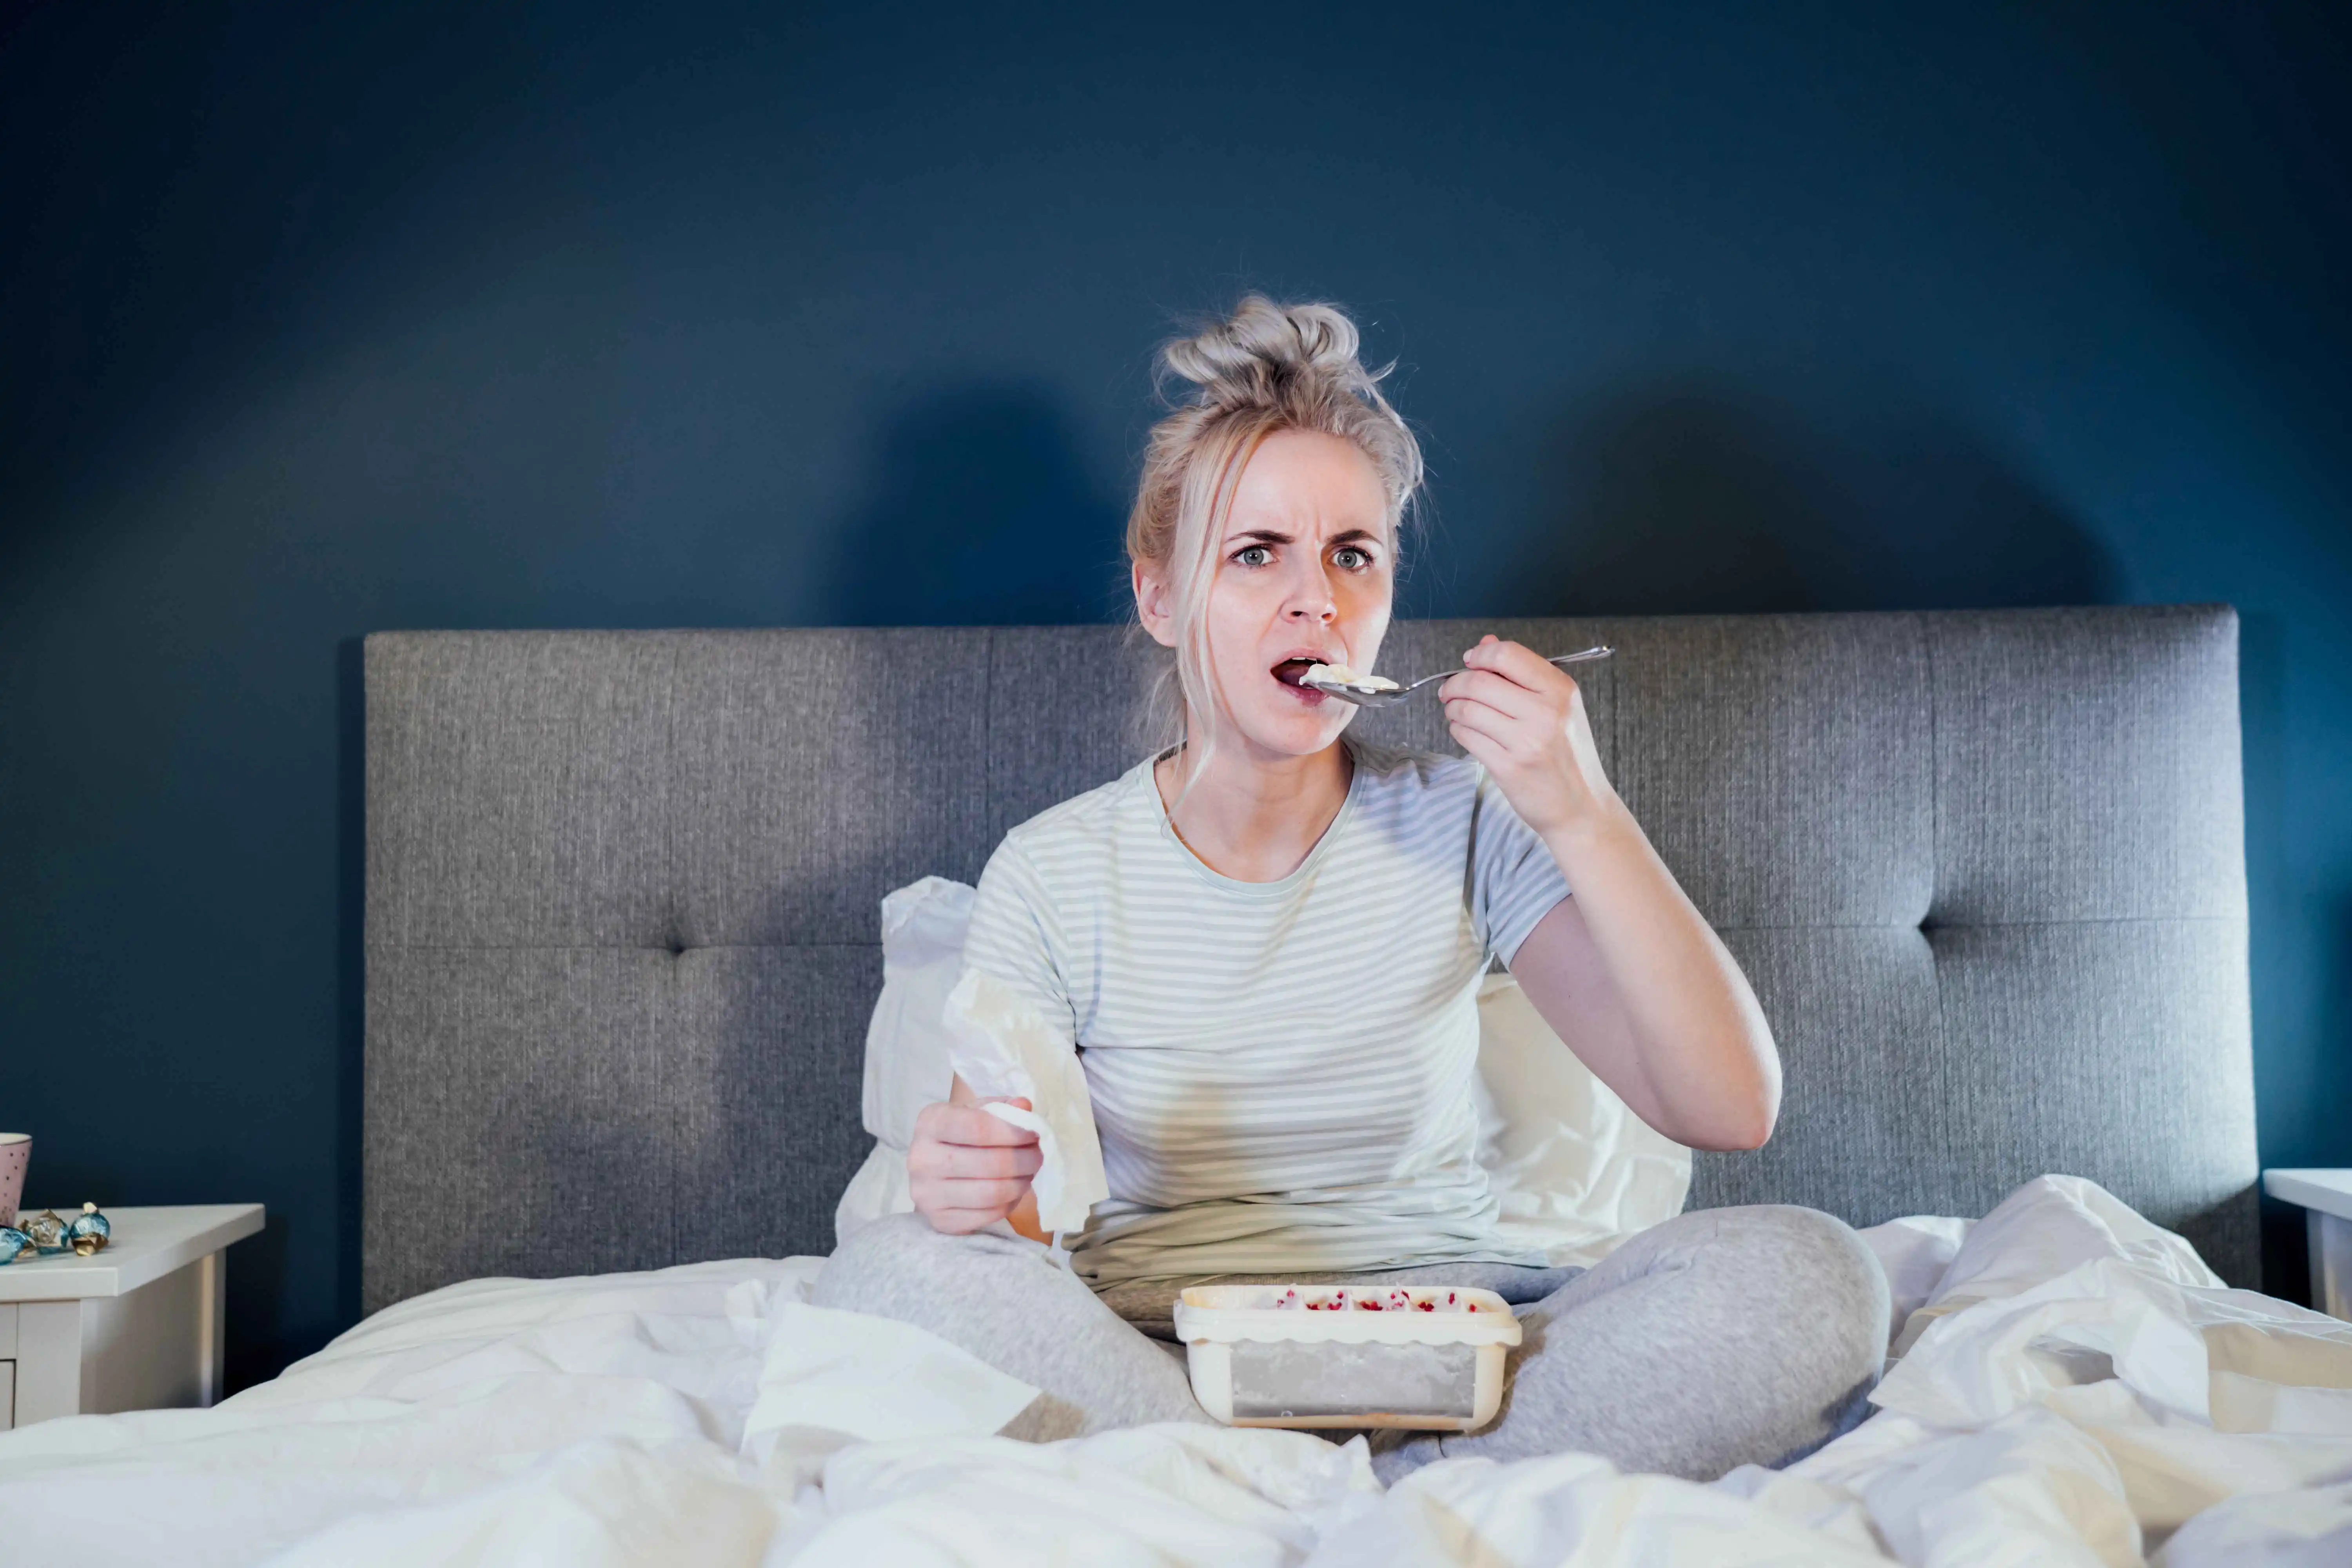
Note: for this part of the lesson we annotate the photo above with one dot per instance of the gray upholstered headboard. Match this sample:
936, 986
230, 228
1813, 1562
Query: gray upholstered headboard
1986, 872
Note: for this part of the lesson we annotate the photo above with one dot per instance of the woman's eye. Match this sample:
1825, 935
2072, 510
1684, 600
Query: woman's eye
1350, 558
1253, 555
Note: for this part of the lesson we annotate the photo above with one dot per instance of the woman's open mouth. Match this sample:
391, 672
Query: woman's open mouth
1291, 671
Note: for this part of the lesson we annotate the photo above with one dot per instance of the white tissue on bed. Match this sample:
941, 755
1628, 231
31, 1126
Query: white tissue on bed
1001, 1046
853, 1376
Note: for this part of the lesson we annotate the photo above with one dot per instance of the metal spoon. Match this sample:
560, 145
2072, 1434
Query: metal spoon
1382, 697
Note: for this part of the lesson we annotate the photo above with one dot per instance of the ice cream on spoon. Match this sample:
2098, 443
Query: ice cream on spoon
1379, 690
1325, 677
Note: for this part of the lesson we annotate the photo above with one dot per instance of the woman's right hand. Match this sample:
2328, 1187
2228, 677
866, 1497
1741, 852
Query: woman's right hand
968, 1170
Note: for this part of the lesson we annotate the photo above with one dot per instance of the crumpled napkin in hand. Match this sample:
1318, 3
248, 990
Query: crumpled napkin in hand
1001, 1046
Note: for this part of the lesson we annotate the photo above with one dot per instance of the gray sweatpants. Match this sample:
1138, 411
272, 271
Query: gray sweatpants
1720, 1337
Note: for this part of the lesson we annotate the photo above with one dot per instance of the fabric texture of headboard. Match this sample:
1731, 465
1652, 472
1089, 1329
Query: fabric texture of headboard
1986, 872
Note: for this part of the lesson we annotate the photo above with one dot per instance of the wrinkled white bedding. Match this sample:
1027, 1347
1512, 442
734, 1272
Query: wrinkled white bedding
2075, 1389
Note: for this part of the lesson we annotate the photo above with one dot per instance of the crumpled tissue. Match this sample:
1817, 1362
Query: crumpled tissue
832, 1378
1000, 1045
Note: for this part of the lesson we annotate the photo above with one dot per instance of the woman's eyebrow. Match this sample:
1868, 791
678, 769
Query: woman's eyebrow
1275, 536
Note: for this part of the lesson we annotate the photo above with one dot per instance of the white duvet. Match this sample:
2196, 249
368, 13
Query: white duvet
2075, 1388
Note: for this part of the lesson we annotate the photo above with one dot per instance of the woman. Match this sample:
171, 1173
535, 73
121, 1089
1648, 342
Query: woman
1268, 942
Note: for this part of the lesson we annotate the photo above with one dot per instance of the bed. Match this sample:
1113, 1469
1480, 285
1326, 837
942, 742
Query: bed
1985, 869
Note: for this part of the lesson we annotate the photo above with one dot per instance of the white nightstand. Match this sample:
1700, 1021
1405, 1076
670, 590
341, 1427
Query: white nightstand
138, 1327
2327, 1199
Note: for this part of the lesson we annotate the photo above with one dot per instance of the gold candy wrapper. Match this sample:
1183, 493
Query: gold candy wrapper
86, 1236
88, 1232
47, 1231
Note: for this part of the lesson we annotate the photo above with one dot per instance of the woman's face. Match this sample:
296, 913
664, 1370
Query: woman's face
1304, 575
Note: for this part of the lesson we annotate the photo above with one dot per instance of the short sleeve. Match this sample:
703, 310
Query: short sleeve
1514, 881
1014, 936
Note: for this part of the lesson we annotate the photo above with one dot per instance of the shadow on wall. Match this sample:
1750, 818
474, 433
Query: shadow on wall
1684, 500
981, 513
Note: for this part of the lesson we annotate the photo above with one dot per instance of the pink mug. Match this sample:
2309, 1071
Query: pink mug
16, 1152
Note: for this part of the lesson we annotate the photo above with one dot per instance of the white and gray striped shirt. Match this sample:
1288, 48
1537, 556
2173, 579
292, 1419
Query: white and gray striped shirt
1281, 1071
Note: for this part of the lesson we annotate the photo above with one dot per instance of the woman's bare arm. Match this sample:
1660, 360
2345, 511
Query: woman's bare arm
1627, 971
1683, 1041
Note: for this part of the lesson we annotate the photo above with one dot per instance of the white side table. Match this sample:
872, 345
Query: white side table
2327, 1200
137, 1327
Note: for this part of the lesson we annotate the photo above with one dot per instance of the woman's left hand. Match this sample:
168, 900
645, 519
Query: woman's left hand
1525, 720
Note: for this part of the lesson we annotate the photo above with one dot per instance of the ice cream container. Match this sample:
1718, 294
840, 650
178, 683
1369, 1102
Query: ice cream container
1428, 1358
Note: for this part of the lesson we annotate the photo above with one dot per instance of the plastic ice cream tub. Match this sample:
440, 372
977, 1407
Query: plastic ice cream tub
1427, 1358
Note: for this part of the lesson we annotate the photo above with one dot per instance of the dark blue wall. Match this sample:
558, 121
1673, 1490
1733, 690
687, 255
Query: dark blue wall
313, 323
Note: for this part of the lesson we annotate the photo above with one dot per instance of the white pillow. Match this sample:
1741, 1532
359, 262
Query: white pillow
1575, 1170
905, 1045
907, 1067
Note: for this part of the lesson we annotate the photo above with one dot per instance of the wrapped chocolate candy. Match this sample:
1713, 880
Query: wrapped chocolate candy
14, 1243
47, 1231
88, 1232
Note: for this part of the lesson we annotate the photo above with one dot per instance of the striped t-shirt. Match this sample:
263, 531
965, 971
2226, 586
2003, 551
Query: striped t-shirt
1281, 1071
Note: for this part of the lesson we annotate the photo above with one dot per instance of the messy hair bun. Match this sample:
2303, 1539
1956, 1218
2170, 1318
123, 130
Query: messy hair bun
1282, 367
1265, 367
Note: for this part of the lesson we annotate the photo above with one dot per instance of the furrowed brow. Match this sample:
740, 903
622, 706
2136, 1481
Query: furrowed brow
1275, 536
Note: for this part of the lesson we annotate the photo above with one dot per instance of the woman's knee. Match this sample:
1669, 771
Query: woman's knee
1822, 1280
1794, 1270
1802, 1282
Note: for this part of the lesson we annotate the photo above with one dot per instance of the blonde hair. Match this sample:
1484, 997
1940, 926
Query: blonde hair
1264, 368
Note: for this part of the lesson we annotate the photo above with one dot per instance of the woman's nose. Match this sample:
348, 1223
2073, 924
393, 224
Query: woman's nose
1312, 598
